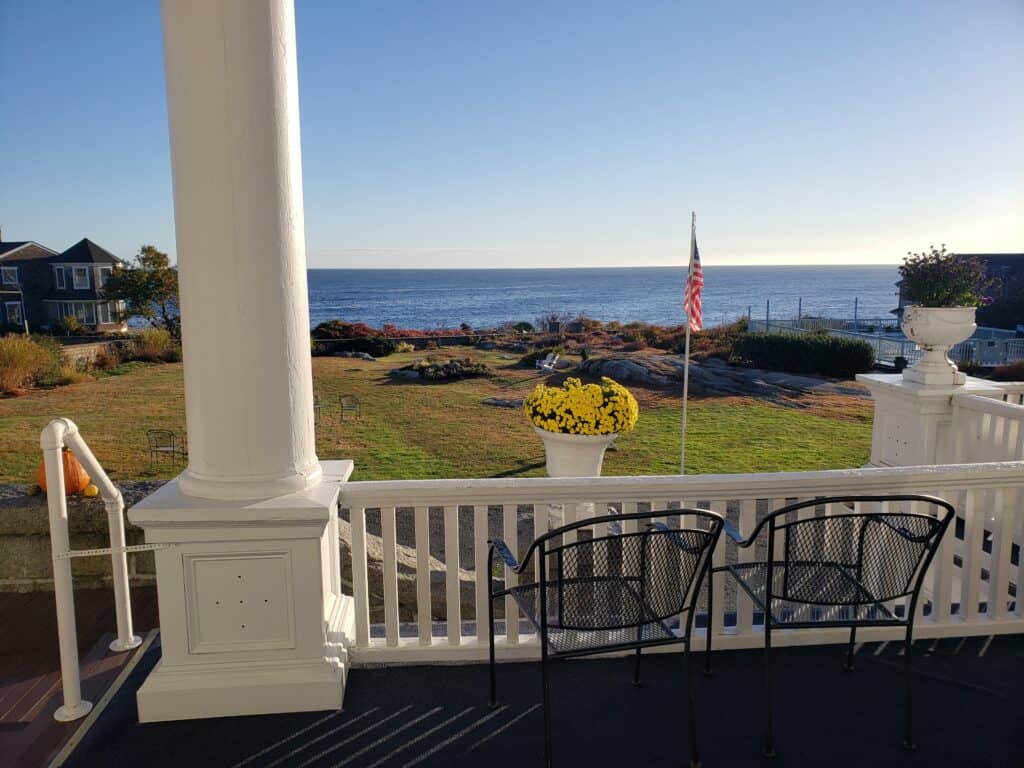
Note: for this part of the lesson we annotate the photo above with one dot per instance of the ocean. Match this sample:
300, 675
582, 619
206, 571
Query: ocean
437, 298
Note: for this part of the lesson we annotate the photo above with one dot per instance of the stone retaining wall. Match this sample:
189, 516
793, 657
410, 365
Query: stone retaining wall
25, 559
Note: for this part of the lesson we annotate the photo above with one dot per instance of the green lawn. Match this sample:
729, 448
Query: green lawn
413, 430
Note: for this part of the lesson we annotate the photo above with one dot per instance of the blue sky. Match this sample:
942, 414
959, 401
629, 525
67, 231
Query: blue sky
455, 134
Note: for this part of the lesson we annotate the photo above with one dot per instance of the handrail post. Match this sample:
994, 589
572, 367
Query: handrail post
125, 641
52, 442
114, 503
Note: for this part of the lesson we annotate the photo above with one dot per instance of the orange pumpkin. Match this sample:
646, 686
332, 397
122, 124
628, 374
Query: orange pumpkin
75, 478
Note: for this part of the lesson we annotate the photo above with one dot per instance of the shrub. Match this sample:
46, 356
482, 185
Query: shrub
377, 346
107, 358
448, 370
826, 355
155, 345
523, 327
71, 326
404, 346
23, 363
935, 278
1009, 372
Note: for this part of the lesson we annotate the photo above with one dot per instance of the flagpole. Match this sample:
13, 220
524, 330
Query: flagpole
686, 351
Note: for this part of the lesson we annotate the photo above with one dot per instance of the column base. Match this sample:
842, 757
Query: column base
247, 688
252, 617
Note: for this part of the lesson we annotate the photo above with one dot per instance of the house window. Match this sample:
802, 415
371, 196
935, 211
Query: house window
14, 312
103, 276
84, 311
60, 277
105, 313
80, 277
9, 275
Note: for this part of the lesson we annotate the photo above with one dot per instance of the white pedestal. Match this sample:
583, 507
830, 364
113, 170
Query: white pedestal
252, 617
913, 421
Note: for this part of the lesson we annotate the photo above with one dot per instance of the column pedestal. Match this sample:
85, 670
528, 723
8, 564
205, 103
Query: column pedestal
913, 421
252, 617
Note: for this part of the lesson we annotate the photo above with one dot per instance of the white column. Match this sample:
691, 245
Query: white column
252, 617
232, 94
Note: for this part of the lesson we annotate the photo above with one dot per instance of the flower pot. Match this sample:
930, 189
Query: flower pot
935, 330
574, 455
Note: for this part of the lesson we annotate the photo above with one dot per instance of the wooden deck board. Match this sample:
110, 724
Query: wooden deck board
30, 682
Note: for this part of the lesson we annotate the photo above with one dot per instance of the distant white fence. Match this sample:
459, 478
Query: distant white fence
970, 590
988, 346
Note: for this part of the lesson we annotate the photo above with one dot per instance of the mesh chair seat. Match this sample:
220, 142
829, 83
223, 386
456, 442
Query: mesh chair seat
811, 593
612, 603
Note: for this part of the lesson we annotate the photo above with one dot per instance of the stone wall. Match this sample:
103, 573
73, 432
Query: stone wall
25, 560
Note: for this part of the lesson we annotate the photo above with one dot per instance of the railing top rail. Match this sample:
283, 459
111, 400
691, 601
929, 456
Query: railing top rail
409, 493
988, 405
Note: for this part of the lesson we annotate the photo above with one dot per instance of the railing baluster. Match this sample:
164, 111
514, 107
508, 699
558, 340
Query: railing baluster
481, 513
360, 588
717, 561
970, 590
510, 521
942, 568
424, 608
744, 605
1002, 541
453, 589
541, 519
389, 571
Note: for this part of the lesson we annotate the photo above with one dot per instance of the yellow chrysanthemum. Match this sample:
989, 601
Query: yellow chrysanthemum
583, 409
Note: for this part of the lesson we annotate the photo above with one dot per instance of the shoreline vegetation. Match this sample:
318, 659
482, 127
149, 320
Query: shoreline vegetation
439, 427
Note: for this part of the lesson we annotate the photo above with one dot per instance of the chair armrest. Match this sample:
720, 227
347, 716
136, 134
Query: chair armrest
501, 548
733, 533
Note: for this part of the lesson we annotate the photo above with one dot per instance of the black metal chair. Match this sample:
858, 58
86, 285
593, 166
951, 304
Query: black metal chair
165, 444
614, 592
841, 570
350, 406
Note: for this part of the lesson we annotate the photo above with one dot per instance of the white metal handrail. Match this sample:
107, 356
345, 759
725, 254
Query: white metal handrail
56, 436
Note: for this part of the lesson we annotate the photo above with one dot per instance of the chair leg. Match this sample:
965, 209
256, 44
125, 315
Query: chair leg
908, 734
490, 626
848, 666
547, 710
769, 734
636, 668
694, 752
711, 613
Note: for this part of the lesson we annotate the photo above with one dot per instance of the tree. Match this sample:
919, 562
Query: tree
148, 286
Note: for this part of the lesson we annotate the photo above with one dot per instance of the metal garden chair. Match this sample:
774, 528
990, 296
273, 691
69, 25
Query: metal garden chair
165, 444
843, 570
600, 593
349, 406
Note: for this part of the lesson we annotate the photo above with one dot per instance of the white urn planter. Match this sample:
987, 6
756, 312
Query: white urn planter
935, 330
574, 455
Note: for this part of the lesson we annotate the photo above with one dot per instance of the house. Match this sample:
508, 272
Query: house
41, 288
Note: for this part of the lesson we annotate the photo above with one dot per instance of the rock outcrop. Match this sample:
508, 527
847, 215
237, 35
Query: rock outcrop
716, 377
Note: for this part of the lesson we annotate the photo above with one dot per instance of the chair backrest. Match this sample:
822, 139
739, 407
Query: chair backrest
875, 552
161, 438
349, 402
624, 580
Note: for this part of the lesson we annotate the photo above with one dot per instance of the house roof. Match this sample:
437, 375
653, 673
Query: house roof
85, 251
24, 250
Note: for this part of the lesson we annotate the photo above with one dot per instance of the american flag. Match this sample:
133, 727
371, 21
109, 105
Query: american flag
691, 294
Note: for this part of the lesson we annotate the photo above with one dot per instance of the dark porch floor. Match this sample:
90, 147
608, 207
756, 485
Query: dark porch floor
969, 703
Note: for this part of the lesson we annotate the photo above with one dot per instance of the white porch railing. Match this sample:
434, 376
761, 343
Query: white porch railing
985, 429
970, 590
56, 436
